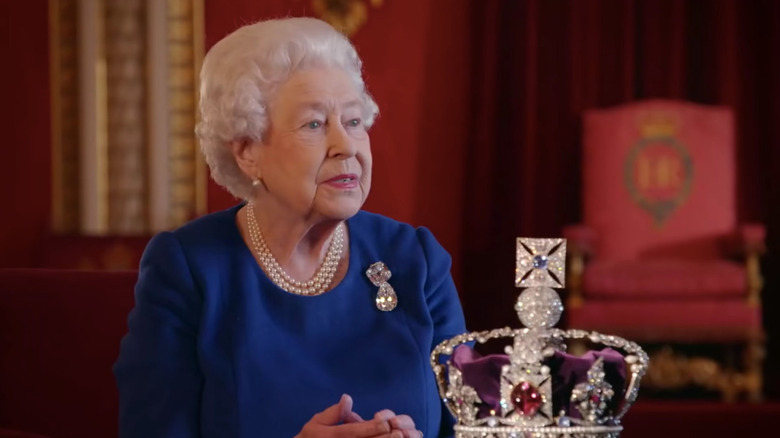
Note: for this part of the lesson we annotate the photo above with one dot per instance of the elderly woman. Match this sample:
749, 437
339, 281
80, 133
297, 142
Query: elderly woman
293, 313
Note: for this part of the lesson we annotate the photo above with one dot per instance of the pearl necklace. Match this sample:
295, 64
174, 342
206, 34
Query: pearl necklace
321, 280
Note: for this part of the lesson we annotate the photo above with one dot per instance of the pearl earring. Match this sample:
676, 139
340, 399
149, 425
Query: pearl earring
255, 182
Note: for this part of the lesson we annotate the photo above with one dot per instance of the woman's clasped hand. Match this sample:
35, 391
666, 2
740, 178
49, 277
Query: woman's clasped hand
339, 421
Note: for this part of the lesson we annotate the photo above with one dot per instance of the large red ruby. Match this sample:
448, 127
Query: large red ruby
526, 398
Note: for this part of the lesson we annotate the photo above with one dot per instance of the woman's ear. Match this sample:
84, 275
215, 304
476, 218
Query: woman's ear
245, 153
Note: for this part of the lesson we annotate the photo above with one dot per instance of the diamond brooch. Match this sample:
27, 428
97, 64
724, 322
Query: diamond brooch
386, 299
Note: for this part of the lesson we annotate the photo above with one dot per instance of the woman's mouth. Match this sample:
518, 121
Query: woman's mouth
343, 181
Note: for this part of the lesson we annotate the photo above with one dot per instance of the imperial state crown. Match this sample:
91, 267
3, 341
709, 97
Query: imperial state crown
537, 389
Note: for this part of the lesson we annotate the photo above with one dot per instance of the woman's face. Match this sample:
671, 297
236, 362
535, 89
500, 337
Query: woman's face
315, 161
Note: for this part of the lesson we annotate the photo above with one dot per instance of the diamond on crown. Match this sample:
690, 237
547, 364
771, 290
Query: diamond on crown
592, 395
539, 307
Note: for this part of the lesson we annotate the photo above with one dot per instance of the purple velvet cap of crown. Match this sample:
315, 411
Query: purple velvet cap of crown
483, 373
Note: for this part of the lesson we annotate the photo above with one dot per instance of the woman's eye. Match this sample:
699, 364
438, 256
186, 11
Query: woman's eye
313, 125
354, 123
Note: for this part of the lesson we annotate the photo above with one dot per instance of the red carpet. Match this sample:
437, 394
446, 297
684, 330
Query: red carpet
678, 419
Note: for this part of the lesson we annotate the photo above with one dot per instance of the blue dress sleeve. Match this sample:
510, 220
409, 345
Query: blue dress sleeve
157, 371
443, 304
440, 292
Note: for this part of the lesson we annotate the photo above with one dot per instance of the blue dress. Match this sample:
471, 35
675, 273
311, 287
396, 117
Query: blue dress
216, 350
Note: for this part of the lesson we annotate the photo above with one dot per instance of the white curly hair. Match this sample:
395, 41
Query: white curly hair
241, 72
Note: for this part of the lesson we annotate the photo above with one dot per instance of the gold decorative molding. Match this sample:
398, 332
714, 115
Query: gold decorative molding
186, 169
347, 16
125, 54
64, 83
124, 96
670, 370
755, 280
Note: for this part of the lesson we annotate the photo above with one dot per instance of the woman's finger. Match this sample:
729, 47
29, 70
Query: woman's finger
334, 414
402, 422
375, 428
366, 429
384, 414
353, 417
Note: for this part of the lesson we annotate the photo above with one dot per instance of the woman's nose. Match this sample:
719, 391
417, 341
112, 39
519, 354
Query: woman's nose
340, 143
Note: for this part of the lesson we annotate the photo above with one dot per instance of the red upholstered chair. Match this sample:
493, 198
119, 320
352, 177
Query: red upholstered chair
59, 337
661, 257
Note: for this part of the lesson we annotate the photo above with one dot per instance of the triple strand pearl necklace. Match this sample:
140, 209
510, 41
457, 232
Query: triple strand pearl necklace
321, 280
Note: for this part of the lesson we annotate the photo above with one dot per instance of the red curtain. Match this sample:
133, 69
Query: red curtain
539, 63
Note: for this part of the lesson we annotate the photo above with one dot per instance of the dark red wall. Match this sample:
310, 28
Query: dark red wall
25, 124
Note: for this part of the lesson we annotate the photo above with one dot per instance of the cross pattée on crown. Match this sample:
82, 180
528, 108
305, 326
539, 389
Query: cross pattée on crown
540, 263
